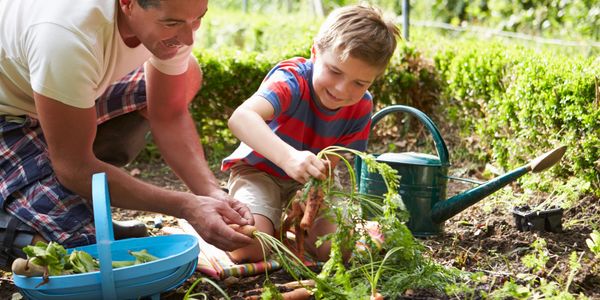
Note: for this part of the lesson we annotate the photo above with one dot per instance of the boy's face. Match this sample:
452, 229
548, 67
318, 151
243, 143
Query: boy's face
165, 29
340, 83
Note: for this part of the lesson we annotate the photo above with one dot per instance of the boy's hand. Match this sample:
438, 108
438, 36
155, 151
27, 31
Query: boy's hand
302, 165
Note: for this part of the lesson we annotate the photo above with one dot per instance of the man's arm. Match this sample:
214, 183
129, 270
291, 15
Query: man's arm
176, 136
70, 132
174, 130
248, 124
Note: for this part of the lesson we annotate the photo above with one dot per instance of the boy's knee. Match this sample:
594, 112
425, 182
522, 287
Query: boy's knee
249, 254
322, 253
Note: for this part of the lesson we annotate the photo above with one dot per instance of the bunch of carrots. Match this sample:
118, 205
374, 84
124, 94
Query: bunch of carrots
304, 209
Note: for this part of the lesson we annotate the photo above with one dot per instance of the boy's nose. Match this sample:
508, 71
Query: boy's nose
340, 88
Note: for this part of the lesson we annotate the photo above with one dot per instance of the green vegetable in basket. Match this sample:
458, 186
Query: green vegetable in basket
122, 263
52, 259
82, 262
52, 255
142, 256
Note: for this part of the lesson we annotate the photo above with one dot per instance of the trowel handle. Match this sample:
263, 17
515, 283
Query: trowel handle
440, 145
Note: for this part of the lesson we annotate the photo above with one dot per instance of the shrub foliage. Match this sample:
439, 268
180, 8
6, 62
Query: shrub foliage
519, 102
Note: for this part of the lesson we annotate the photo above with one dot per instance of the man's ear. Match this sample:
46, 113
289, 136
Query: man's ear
126, 6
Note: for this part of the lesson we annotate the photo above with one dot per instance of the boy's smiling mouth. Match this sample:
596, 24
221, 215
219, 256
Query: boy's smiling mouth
332, 97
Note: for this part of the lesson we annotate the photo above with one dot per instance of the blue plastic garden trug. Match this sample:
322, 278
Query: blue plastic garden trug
178, 256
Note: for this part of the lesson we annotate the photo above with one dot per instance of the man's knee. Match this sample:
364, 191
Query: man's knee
119, 140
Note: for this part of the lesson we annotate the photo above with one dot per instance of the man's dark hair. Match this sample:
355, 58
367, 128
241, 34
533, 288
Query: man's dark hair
145, 4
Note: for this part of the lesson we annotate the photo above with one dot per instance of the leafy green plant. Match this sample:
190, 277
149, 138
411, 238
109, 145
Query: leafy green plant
398, 258
574, 266
539, 258
538, 286
373, 275
594, 243
511, 290
190, 295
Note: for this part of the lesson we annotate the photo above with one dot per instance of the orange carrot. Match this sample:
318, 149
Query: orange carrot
313, 203
297, 294
299, 241
247, 230
376, 296
285, 287
293, 216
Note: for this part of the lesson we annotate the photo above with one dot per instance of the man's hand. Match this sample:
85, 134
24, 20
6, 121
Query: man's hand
210, 216
302, 165
236, 205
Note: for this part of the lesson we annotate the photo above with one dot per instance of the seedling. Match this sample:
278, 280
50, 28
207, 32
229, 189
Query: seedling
189, 296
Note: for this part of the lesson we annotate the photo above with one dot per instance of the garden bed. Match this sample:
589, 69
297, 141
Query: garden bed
483, 238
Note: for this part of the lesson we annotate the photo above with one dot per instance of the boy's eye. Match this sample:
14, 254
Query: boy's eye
359, 84
170, 24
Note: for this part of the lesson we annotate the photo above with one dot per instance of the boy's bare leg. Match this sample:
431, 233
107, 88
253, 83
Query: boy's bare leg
253, 252
320, 227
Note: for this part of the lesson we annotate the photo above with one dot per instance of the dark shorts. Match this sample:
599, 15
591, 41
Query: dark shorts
29, 188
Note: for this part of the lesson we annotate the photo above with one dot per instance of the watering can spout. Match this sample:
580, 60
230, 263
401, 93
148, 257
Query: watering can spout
444, 210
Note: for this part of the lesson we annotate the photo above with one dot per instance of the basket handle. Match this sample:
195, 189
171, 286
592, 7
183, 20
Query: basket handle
104, 233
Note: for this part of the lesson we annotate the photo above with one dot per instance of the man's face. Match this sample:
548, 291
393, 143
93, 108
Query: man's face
165, 29
338, 83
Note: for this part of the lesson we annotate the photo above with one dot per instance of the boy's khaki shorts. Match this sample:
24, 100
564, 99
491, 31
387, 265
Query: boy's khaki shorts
264, 194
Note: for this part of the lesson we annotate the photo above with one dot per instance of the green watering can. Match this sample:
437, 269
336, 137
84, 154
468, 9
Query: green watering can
424, 178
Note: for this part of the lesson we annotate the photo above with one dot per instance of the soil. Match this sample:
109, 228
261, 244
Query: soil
482, 238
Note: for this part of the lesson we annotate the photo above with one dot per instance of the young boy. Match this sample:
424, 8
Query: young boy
303, 106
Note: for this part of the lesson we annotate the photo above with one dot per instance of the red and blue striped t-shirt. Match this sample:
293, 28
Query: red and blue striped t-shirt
300, 121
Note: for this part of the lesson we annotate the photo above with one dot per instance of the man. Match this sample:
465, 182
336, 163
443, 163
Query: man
63, 118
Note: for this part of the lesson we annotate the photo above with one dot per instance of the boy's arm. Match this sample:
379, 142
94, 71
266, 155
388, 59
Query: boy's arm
248, 124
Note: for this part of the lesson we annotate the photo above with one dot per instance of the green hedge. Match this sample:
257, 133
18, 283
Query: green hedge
519, 102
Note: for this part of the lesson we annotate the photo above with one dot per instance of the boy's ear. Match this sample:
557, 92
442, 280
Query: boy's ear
313, 52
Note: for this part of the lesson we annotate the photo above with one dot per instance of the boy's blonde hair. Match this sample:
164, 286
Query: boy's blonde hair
361, 32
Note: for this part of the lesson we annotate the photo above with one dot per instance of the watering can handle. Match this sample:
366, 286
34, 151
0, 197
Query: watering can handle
104, 233
440, 145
